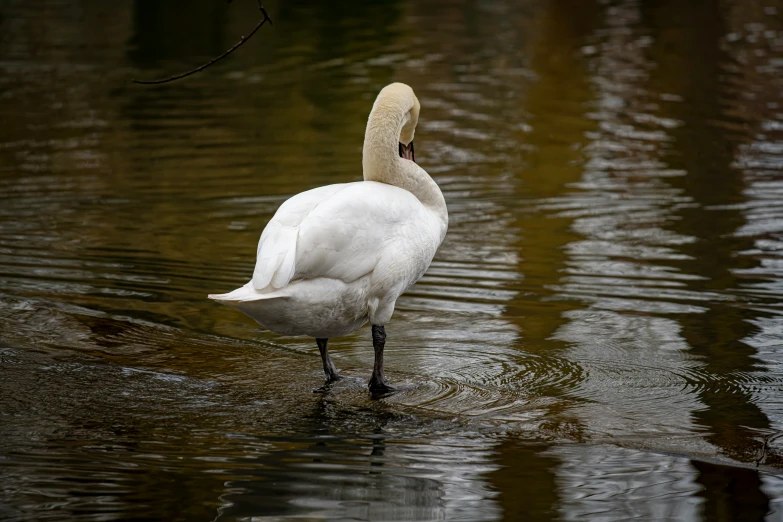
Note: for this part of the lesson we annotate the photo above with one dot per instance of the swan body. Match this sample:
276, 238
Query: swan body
335, 257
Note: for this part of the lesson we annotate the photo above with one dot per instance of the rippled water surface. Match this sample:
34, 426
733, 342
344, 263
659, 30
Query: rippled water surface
600, 335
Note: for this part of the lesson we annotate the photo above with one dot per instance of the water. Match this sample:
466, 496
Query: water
600, 334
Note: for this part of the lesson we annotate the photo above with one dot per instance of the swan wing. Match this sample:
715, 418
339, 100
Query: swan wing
338, 232
345, 237
276, 254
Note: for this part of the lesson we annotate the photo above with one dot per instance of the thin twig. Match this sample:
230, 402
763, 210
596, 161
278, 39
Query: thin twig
241, 41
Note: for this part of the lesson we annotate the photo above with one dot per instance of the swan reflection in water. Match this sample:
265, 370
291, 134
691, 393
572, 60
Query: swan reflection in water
373, 476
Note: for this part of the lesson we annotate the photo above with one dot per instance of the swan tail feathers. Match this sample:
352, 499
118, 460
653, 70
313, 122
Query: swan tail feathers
244, 294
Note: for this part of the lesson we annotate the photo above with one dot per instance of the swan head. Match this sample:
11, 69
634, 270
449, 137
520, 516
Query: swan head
398, 99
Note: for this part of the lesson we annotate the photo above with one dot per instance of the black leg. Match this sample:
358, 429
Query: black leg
378, 381
329, 369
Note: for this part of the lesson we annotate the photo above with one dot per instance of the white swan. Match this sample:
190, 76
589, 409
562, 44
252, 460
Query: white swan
334, 257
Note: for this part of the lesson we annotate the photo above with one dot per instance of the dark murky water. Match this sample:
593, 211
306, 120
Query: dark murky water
601, 333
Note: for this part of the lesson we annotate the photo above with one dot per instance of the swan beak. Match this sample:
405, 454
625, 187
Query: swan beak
406, 151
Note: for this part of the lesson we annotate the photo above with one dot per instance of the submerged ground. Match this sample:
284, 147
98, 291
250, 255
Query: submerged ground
600, 334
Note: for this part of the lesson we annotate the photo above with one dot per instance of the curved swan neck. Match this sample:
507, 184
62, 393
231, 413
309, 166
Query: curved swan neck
380, 155
381, 160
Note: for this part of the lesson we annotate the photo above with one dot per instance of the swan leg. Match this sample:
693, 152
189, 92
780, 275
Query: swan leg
378, 382
329, 369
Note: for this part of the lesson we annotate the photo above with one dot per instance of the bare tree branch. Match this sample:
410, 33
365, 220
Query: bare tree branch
236, 46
